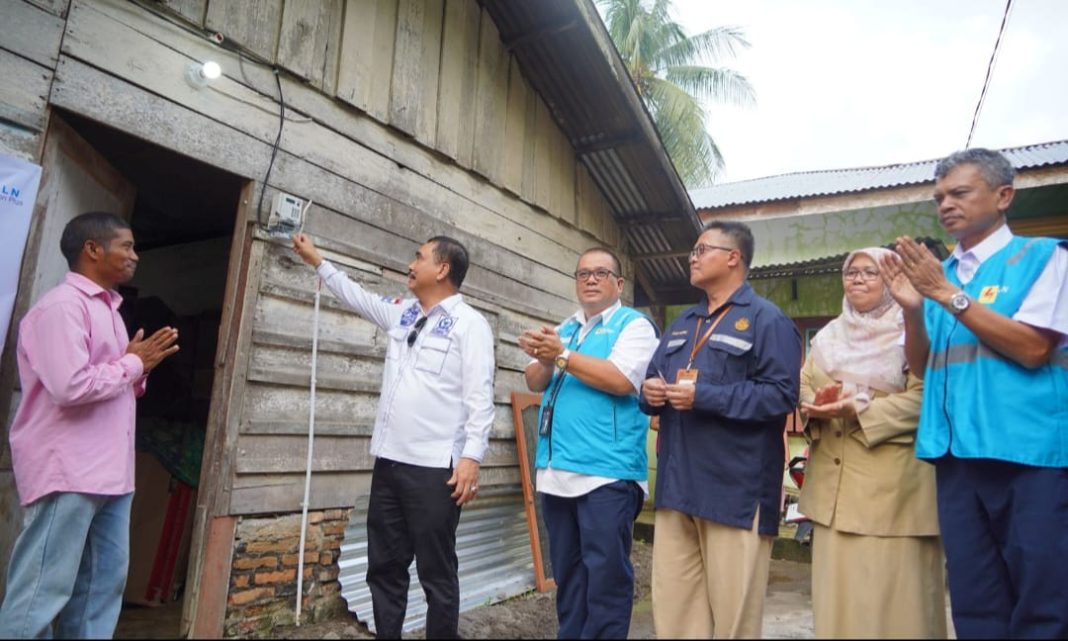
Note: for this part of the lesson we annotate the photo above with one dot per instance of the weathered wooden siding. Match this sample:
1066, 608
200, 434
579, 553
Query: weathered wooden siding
404, 119
28, 53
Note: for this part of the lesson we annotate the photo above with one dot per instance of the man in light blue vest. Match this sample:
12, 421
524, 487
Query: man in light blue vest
591, 461
989, 331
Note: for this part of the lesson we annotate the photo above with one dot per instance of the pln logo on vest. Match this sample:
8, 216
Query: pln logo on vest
989, 294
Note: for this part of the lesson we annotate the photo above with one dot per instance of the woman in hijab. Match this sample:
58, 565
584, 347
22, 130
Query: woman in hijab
876, 552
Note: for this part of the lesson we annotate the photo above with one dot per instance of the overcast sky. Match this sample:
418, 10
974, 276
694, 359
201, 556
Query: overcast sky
854, 83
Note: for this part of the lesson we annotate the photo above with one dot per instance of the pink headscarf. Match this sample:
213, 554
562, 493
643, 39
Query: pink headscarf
862, 348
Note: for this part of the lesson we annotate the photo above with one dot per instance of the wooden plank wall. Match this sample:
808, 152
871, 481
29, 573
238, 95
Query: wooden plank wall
404, 119
28, 54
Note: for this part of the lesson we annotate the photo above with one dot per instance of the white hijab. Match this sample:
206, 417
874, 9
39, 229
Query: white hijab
862, 348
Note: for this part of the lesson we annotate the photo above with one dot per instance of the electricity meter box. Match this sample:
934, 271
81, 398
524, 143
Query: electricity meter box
287, 216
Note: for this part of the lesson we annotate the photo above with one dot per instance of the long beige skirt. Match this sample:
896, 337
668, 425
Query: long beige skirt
868, 587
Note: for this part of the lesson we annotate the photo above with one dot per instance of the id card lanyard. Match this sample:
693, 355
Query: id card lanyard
546, 426
700, 342
560, 378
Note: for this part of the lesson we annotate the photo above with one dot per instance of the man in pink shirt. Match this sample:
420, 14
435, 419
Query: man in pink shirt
72, 440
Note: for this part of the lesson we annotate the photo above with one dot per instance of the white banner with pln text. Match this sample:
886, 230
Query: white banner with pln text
19, 181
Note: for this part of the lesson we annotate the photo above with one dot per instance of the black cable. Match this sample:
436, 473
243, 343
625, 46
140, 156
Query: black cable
274, 150
989, 73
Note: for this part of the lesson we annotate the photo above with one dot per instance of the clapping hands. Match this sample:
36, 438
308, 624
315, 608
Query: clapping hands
829, 403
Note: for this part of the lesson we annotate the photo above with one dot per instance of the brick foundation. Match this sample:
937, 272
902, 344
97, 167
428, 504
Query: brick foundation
263, 574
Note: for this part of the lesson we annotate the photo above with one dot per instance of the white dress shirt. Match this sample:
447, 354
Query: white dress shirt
1046, 304
630, 354
437, 395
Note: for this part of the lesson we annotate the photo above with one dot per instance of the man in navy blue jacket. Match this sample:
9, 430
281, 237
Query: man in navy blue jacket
723, 380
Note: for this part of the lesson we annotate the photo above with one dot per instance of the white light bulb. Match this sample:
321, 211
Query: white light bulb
199, 75
211, 70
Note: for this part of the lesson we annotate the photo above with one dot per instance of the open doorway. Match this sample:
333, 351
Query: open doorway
182, 215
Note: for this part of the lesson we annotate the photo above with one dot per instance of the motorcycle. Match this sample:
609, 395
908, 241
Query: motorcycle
796, 469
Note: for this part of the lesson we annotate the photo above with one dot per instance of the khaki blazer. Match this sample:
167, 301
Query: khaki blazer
864, 475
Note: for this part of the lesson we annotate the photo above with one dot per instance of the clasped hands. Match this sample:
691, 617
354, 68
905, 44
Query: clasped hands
914, 273
152, 350
658, 391
829, 403
542, 344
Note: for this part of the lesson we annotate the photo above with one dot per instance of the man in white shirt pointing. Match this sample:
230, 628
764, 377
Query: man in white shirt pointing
431, 432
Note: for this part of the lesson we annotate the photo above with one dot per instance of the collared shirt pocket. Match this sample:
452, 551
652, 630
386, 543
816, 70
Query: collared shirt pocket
432, 354
673, 350
397, 337
728, 358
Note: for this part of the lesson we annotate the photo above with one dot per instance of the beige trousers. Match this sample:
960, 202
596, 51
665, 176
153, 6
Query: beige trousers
877, 587
709, 579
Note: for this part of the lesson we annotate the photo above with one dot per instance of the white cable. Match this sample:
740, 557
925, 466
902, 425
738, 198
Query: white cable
304, 215
311, 442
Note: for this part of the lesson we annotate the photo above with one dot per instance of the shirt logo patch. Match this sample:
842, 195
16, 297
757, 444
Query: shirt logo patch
445, 324
409, 315
681, 332
988, 294
741, 324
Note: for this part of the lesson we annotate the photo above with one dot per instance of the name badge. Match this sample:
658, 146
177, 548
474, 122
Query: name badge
686, 377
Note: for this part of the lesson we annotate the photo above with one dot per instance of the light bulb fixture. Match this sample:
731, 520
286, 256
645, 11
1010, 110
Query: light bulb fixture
199, 75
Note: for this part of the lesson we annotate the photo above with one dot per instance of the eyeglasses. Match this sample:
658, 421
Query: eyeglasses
412, 335
598, 274
867, 275
700, 248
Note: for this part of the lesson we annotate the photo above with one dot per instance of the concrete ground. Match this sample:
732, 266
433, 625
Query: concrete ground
787, 610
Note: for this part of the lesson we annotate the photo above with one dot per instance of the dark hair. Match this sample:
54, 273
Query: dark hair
449, 250
995, 167
611, 254
739, 233
97, 226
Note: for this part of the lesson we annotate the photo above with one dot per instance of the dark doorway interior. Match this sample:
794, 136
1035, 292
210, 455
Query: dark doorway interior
183, 223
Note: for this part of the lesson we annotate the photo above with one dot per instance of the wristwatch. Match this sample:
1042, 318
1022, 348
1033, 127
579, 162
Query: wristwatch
958, 303
561, 360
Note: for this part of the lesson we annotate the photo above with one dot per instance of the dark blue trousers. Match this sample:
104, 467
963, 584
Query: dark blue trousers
590, 538
1005, 531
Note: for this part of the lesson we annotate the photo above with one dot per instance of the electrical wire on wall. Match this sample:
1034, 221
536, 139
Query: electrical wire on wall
220, 40
274, 149
989, 73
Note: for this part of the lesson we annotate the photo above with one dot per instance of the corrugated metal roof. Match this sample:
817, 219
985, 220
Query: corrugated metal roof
829, 264
492, 545
567, 56
839, 181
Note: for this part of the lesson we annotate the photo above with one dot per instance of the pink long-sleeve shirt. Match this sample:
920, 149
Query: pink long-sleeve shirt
74, 429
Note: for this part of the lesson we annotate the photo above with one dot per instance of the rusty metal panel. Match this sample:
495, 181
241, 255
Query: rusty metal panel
492, 545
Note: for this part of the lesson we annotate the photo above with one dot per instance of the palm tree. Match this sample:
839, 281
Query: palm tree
665, 66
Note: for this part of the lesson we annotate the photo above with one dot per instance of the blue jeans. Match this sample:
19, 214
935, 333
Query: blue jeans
590, 539
68, 566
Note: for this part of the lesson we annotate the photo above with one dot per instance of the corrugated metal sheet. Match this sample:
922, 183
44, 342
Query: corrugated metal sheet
492, 545
838, 181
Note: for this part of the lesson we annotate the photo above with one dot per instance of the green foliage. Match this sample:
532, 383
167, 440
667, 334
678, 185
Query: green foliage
666, 67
